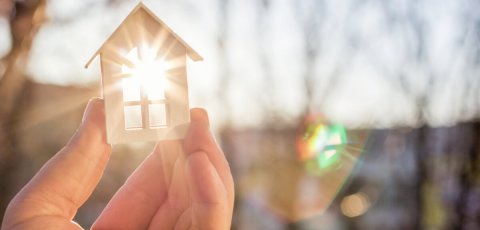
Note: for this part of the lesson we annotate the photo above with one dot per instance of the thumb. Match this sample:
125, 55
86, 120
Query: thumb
65, 182
211, 208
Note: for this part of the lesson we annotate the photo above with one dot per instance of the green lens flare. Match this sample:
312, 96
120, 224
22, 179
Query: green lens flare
322, 147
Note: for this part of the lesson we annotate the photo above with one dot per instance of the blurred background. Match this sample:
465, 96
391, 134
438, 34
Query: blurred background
352, 114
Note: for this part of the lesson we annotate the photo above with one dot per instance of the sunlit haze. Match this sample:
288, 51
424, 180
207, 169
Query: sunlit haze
354, 81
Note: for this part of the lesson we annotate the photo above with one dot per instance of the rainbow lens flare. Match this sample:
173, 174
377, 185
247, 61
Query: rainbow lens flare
322, 146
328, 153
295, 173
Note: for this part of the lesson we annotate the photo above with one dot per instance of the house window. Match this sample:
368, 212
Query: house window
145, 105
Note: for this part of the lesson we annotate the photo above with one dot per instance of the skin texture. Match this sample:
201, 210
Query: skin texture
183, 184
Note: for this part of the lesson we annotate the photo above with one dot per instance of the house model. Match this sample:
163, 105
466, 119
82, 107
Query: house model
144, 80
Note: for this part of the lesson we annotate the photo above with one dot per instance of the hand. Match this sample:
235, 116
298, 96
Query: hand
180, 185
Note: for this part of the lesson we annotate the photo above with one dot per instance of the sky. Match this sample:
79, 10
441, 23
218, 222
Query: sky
5, 38
367, 71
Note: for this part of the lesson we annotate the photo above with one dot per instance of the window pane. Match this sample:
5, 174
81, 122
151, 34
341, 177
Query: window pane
155, 86
158, 115
131, 89
133, 117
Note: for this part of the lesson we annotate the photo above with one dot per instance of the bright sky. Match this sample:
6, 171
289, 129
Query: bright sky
5, 38
363, 51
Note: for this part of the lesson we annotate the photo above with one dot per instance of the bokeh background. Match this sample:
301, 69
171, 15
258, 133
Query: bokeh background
351, 114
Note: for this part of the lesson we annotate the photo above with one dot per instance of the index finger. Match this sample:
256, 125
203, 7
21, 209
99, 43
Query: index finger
64, 183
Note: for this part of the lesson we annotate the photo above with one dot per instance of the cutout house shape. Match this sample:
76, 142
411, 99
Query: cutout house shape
144, 80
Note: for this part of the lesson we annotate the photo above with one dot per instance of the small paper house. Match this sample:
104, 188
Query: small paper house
144, 80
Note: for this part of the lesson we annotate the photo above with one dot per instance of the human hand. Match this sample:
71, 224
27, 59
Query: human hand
181, 185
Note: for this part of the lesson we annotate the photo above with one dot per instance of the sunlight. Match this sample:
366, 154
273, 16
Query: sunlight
147, 72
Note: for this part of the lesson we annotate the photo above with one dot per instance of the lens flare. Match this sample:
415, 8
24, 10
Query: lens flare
355, 205
321, 146
328, 154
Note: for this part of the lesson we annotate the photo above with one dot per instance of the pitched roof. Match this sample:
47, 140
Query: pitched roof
190, 51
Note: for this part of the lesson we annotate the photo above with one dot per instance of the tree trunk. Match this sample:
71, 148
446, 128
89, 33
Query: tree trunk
27, 18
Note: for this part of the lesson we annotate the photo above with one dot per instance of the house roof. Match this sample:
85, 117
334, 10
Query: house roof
190, 51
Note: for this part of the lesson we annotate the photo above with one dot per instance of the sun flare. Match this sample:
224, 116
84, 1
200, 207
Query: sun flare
147, 72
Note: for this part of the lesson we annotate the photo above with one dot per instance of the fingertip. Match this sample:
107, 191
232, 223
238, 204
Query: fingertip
198, 137
199, 116
94, 109
92, 129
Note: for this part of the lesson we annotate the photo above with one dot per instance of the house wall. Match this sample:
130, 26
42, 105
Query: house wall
142, 29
